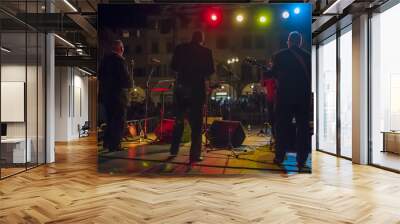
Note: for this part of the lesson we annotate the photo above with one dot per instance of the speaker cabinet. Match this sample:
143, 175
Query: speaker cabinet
223, 134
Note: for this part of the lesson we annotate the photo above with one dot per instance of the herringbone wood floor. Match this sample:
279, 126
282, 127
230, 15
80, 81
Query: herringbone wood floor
72, 191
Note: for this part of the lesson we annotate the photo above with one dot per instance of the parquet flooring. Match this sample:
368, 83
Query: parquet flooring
72, 191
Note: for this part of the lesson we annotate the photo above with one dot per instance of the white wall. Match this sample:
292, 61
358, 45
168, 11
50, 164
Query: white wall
33, 127
71, 102
16, 73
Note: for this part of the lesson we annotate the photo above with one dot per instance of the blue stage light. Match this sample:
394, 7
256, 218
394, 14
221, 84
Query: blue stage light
297, 10
285, 14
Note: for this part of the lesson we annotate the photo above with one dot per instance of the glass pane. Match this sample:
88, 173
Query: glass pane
13, 86
41, 99
346, 94
314, 90
32, 97
385, 84
327, 96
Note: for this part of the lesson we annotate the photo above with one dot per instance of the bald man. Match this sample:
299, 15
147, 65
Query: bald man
115, 82
193, 64
291, 67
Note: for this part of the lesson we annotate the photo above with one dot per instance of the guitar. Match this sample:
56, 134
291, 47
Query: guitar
253, 61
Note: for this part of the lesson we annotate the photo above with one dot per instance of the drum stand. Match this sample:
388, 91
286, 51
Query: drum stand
162, 111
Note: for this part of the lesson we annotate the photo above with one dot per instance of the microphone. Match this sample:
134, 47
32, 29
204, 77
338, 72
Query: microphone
155, 60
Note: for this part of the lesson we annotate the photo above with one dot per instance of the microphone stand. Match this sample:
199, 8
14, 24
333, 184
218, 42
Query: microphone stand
146, 110
208, 146
132, 66
230, 146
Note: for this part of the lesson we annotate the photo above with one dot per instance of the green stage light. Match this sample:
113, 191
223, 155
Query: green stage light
263, 18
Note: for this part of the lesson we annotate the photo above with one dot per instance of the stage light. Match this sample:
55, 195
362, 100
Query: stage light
214, 17
285, 14
262, 19
229, 61
135, 89
297, 10
239, 18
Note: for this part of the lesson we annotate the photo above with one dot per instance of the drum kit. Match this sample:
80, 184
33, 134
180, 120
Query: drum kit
164, 128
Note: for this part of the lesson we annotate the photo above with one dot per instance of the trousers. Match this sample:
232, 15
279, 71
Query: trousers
193, 107
115, 119
284, 116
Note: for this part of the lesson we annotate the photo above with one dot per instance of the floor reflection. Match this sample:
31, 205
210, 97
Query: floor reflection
254, 157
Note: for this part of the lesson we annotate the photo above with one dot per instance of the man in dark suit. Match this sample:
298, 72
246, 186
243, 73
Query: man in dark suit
193, 64
115, 83
291, 67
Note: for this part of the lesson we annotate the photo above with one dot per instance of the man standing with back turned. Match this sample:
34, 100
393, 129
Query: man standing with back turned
292, 69
193, 64
115, 83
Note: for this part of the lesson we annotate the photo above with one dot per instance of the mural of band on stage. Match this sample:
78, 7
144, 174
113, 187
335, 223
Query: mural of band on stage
204, 88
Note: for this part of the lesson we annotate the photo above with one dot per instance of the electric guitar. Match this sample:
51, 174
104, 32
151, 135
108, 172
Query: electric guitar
253, 61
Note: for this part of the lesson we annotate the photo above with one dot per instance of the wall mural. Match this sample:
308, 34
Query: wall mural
204, 88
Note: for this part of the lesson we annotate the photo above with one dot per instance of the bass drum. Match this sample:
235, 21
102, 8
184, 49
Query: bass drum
165, 134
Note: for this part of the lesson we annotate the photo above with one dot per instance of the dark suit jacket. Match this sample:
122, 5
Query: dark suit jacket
194, 64
293, 77
113, 78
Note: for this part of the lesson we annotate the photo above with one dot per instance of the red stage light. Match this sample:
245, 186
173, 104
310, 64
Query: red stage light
213, 16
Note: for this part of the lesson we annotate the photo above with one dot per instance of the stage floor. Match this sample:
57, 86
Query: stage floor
254, 157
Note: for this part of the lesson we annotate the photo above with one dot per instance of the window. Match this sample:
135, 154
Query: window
138, 49
327, 96
155, 47
222, 42
246, 42
385, 89
346, 94
260, 41
169, 47
166, 26
184, 22
22, 85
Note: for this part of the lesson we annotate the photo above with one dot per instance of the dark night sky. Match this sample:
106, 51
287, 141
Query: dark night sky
134, 16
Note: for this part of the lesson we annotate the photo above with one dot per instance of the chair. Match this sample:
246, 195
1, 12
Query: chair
84, 130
